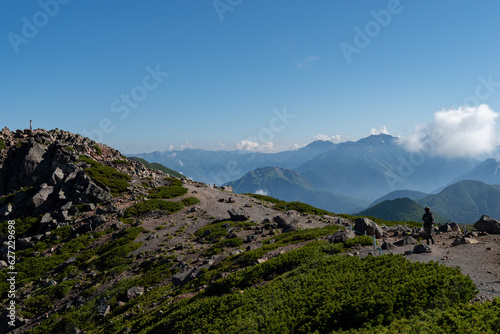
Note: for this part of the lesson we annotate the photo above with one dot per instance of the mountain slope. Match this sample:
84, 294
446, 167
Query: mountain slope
157, 166
465, 201
289, 185
399, 209
376, 165
487, 172
411, 194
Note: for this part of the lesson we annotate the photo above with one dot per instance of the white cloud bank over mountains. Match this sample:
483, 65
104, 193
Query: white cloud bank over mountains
463, 132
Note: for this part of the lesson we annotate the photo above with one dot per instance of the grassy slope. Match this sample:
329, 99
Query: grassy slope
160, 167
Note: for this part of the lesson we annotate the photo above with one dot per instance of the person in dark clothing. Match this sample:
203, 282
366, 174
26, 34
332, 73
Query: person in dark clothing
428, 220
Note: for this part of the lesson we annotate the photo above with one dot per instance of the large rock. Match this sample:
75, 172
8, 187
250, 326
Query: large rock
135, 292
388, 246
103, 309
238, 215
488, 225
288, 220
445, 228
419, 249
42, 196
341, 236
464, 241
409, 240
33, 166
365, 225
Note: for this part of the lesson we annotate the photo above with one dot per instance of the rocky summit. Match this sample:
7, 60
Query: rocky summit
93, 242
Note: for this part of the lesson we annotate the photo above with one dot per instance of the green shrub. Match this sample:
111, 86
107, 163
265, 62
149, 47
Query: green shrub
320, 295
190, 201
64, 232
2, 144
121, 162
116, 181
173, 181
218, 231
98, 149
167, 192
35, 305
62, 289
364, 240
223, 244
152, 205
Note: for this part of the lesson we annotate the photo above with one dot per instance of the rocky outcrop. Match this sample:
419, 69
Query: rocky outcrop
488, 225
420, 249
135, 292
238, 215
288, 220
365, 225
341, 236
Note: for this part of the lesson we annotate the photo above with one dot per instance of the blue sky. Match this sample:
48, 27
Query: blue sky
263, 75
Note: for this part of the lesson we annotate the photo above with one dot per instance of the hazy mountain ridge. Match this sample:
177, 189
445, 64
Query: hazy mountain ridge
402, 209
366, 169
289, 185
219, 167
411, 194
465, 201
461, 202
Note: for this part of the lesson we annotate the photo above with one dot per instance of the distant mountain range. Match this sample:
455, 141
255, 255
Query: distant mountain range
219, 167
462, 202
342, 178
399, 209
289, 185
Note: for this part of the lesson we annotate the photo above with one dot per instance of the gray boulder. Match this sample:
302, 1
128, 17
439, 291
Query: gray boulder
103, 309
341, 236
288, 220
419, 249
42, 196
388, 246
238, 215
365, 225
488, 225
135, 292
445, 228
409, 240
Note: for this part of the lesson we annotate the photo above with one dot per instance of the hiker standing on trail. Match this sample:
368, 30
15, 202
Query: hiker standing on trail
428, 219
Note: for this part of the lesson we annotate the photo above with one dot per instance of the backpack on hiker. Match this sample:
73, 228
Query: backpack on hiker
428, 219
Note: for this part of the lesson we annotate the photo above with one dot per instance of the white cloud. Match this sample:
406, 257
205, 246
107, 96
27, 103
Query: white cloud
222, 146
382, 130
262, 192
335, 139
462, 132
248, 145
186, 145
306, 63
